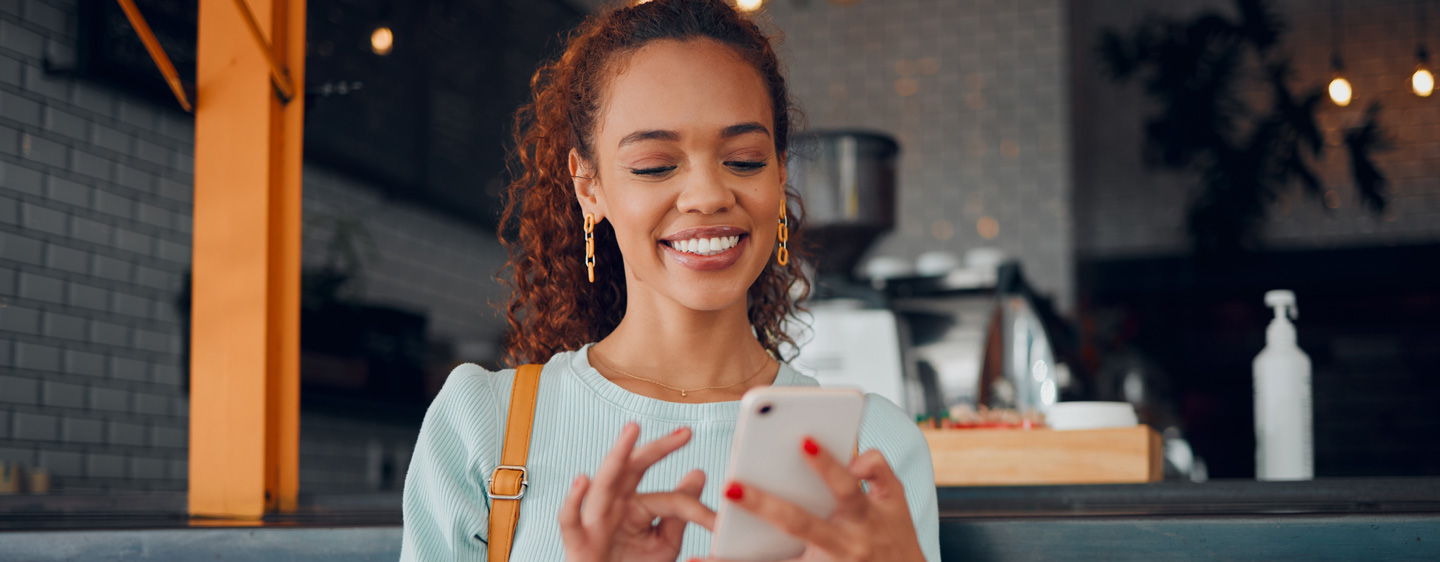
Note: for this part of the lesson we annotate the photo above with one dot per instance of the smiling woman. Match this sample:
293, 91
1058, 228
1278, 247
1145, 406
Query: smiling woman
653, 151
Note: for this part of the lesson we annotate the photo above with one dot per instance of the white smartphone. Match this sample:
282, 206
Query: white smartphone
766, 453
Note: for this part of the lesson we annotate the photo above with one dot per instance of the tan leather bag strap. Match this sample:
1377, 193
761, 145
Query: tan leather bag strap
507, 483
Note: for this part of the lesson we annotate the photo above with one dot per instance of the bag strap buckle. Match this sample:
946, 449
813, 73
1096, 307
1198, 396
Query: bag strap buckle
515, 494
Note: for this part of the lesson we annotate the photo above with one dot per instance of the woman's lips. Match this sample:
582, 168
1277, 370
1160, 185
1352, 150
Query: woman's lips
712, 262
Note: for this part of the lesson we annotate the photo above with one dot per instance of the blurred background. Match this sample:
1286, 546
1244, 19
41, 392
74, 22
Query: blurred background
1152, 168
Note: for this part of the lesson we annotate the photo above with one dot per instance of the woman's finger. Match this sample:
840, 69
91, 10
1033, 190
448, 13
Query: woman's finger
672, 526
605, 488
837, 477
675, 510
873, 468
645, 456
788, 517
570, 509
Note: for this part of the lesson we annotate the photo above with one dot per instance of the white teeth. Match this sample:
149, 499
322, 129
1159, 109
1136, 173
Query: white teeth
706, 246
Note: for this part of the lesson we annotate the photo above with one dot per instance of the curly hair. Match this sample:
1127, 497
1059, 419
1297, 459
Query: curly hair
552, 307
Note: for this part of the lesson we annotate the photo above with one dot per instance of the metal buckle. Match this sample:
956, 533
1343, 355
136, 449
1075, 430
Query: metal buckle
524, 483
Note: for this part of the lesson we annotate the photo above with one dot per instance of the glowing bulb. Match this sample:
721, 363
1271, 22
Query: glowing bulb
748, 5
1340, 91
382, 40
1422, 82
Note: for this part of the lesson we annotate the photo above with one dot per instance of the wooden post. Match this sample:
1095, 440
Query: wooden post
245, 341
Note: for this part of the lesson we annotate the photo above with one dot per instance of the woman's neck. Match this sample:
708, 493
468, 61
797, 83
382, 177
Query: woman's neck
684, 349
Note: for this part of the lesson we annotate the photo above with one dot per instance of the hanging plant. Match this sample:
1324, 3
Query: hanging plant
1243, 156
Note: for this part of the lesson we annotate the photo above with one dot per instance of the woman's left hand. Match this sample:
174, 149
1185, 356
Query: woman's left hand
864, 527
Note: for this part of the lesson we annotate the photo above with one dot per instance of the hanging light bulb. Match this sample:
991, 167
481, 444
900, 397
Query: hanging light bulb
1340, 90
748, 5
1422, 82
382, 40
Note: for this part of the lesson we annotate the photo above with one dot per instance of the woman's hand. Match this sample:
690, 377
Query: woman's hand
606, 520
864, 527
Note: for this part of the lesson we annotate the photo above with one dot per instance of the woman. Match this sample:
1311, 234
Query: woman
660, 133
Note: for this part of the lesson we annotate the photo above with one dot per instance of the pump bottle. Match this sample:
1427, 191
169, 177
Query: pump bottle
1284, 444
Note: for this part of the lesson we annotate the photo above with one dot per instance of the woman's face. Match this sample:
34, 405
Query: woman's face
686, 171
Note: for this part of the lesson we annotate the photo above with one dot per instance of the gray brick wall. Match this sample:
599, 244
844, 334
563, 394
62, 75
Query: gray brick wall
95, 221
1123, 209
976, 92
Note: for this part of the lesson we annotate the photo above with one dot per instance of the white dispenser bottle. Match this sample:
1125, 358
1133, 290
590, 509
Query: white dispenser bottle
1284, 444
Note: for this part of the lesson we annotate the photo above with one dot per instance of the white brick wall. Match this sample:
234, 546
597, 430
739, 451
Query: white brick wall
1124, 209
976, 92
95, 221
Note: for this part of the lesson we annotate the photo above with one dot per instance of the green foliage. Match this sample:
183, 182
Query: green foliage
1243, 156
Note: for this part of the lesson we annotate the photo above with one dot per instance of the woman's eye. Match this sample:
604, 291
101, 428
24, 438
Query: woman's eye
655, 171
746, 166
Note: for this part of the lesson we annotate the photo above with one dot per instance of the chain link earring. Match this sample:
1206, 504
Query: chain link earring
590, 245
783, 255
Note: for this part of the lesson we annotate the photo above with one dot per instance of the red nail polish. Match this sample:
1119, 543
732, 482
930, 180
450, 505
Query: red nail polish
811, 448
735, 492
678, 431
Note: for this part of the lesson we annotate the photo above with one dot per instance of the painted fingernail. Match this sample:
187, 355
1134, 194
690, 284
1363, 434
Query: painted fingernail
678, 431
735, 492
811, 448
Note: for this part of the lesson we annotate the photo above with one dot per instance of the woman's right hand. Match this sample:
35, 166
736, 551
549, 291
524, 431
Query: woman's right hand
605, 519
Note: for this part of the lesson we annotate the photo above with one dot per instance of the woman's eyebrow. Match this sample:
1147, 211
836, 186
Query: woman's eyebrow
672, 136
638, 136
744, 128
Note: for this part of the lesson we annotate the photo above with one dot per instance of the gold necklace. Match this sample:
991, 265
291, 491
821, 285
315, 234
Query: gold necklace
684, 393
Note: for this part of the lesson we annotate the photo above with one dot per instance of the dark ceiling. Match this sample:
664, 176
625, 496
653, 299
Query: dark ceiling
432, 119
428, 122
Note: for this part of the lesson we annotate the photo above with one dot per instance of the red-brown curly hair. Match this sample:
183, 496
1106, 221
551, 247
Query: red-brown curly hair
552, 306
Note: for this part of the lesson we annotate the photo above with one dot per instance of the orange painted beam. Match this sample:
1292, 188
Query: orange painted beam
245, 338
157, 53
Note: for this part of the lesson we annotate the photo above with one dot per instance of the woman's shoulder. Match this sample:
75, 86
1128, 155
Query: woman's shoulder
469, 383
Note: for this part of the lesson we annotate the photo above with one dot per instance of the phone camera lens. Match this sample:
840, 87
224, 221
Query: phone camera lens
765, 409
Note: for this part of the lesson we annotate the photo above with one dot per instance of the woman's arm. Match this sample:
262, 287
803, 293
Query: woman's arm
899, 440
446, 511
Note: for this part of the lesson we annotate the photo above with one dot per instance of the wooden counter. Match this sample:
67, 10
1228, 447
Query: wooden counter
991, 457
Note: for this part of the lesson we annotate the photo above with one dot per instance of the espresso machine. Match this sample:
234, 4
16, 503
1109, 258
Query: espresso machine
927, 337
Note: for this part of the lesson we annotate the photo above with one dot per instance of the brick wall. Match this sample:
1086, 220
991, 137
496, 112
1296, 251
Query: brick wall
95, 222
1123, 209
976, 91
94, 241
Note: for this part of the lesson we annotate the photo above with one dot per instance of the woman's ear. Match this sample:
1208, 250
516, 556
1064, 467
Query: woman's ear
587, 186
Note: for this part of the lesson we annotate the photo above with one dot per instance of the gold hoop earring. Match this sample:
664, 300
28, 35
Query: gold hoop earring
590, 245
783, 254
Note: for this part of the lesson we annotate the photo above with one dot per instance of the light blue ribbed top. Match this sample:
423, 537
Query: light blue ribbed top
578, 415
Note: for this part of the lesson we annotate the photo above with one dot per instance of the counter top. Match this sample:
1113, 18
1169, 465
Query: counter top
1326, 519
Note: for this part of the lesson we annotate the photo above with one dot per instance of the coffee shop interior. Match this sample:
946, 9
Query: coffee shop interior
1027, 219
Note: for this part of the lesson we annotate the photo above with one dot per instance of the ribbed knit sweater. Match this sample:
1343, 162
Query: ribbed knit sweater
578, 415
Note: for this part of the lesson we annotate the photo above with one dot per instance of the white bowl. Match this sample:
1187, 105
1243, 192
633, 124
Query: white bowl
1090, 415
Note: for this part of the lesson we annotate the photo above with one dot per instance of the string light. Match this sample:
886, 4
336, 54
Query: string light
748, 5
1340, 91
382, 40
1422, 82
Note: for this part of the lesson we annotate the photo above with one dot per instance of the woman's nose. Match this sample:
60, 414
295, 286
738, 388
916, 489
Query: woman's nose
705, 193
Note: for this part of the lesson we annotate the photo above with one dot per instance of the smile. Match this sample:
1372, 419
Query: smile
704, 246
